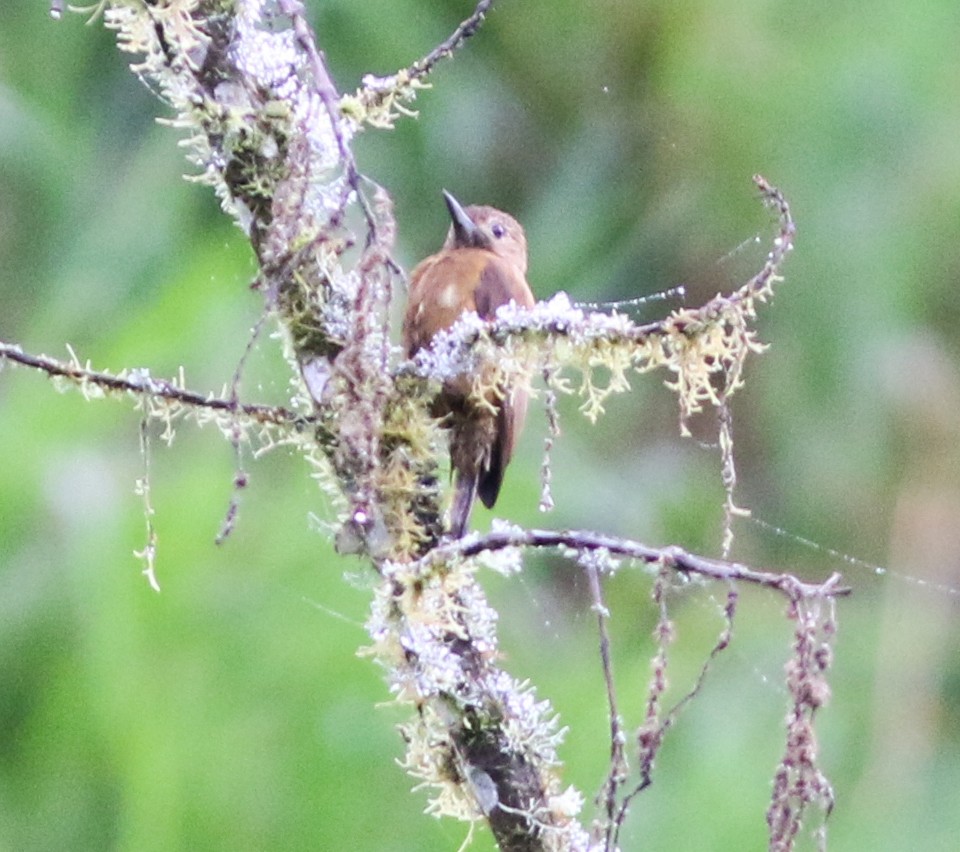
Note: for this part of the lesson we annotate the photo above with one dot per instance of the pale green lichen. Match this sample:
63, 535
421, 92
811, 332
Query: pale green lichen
381, 101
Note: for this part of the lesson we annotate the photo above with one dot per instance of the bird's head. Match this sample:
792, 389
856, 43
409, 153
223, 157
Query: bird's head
486, 228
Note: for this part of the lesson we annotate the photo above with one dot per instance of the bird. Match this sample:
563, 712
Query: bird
481, 266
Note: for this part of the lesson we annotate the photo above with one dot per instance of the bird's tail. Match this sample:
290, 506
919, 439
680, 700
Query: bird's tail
464, 493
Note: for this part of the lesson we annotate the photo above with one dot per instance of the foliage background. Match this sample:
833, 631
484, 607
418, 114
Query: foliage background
230, 711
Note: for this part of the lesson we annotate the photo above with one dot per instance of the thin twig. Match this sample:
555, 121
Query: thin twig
422, 67
618, 762
651, 736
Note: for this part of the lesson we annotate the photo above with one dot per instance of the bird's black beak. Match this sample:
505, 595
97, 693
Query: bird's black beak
465, 231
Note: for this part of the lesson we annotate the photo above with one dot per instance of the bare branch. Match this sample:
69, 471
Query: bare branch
671, 557
469, 26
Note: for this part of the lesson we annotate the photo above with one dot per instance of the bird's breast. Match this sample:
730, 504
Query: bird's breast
454, 281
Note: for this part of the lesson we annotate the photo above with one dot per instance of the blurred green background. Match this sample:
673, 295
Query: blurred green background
230, 711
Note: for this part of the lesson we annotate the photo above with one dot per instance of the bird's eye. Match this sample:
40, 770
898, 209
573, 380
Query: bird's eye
498, 230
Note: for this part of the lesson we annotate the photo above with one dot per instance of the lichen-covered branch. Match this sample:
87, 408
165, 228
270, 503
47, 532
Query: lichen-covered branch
146, 389
265, 125
703, 348
480, 740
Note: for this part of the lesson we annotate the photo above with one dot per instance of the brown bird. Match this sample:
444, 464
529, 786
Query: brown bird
482, 265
